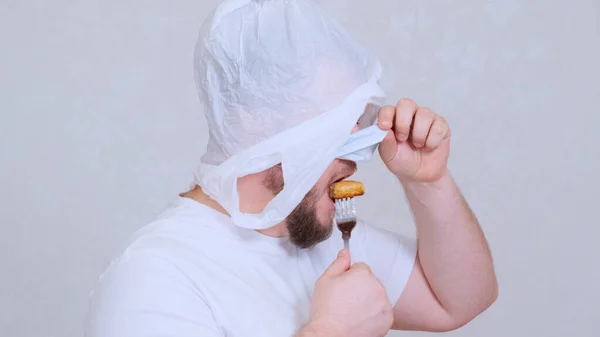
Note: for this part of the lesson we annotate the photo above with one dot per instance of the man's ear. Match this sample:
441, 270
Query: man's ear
273, 179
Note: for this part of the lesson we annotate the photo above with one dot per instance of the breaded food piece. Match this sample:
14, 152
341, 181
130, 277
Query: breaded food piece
346, 189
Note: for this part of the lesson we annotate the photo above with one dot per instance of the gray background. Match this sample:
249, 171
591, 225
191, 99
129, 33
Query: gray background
100, 127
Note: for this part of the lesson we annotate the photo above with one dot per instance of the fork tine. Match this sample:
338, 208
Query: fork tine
345, 213
345, 210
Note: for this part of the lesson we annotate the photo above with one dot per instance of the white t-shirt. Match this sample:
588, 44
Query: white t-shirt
193, 273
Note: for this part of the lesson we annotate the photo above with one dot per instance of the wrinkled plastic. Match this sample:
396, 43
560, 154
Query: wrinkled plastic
281, 82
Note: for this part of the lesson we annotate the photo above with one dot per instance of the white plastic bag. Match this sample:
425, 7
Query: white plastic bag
281, 82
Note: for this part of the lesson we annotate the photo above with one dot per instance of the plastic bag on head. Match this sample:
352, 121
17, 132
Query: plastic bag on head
281, 82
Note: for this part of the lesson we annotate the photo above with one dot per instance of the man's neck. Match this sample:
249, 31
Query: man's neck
198, 195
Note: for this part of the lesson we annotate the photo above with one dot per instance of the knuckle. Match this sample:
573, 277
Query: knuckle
419, 136
441, 128
426, 112
407, 102
443, 121
438, 129
387, 111
402, 127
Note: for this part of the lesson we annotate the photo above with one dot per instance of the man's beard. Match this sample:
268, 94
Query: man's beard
303, 225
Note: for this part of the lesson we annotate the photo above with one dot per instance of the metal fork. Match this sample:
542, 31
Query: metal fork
345, 218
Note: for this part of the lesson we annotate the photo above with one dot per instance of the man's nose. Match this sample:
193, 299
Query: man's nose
355, 128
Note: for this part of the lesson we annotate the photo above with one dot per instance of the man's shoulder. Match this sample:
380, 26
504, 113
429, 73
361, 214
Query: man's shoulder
166, 251
157, 272
179, 236
183, 223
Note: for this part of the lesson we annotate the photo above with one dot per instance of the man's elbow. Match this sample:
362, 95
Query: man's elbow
492, 296
484, 301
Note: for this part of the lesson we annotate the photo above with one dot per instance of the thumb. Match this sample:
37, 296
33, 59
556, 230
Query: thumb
388, 147
340, 265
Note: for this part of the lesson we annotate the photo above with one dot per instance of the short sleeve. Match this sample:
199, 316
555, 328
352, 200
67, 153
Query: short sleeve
390, 256
146, 295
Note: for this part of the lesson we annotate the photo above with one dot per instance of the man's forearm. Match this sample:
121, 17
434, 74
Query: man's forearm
453, 251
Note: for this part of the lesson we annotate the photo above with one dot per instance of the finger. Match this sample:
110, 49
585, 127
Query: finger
388, 147
340, 265
423, 120
438, 132
386, 117
405, 112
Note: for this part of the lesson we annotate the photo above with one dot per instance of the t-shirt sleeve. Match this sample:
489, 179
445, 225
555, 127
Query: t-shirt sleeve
145, 295
390, 256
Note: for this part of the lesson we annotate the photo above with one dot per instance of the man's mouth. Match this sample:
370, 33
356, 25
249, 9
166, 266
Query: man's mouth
340, 179
345, 173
